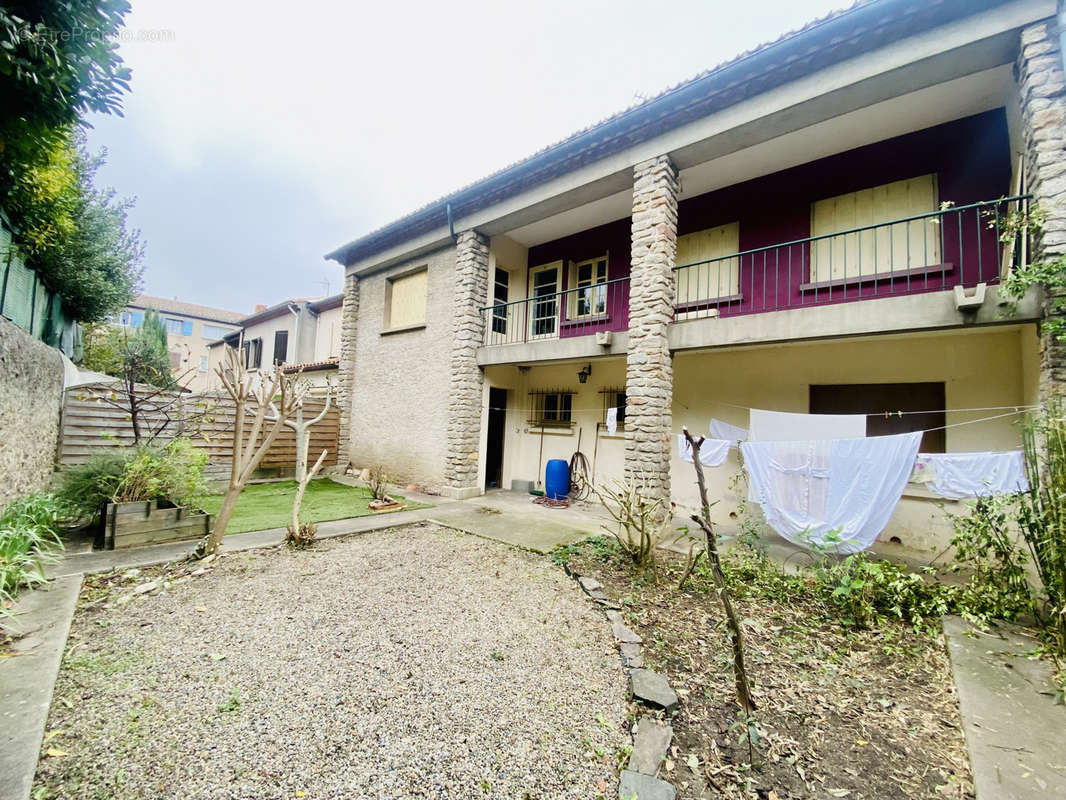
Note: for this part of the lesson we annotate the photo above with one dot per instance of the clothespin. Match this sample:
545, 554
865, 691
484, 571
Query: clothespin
886, 415
899, 414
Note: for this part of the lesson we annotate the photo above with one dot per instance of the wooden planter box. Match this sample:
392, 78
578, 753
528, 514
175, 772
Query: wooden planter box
144, 522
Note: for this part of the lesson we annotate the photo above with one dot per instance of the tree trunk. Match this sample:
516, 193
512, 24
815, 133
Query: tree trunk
740, 672
304, 480
218, 529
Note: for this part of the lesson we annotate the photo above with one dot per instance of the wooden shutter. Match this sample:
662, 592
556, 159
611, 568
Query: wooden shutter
281, 346
407, 304
885, 249
706, 281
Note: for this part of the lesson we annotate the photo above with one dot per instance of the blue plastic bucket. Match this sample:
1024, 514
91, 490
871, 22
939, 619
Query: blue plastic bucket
557, 479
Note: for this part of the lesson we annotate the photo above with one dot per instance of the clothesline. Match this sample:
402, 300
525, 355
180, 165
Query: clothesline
1018, 409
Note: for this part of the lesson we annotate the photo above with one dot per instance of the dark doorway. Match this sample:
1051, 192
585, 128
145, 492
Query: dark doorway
883, 402
497, 429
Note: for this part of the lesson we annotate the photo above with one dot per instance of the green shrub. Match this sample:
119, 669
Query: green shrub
1042, 513
862, 592
29, 539
85, 488
174, 472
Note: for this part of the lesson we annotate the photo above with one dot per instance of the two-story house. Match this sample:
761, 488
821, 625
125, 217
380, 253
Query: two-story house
299, 334
814, 226
191, 329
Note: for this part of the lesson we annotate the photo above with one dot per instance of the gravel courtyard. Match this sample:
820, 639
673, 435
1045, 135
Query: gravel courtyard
414, 662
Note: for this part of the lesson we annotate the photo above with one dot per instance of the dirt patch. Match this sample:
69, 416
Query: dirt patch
842, 713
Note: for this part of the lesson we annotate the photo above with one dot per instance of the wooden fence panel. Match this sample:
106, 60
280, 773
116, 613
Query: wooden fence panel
91, 424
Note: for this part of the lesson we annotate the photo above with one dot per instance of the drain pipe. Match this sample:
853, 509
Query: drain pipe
451, 222
295, 311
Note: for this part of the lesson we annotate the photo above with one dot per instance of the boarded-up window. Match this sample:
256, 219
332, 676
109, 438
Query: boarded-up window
705, 272
406, 300
887, 248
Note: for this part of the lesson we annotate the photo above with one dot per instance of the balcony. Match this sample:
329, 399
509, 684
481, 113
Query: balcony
925, 253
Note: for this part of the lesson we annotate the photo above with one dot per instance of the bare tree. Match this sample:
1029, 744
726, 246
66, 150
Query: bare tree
703, 519
275, 400
638, 523
302, 428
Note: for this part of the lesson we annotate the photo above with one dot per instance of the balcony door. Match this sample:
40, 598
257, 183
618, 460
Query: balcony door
544, 317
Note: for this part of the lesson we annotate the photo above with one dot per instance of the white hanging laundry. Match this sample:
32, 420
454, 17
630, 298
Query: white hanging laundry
783, 426
713, 452
808, 489
612, 421
958, 475
732, 433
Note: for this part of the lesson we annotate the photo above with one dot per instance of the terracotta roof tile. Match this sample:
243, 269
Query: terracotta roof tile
188, 309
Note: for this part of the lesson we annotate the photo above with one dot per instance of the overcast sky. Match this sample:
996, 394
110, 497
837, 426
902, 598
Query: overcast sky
260, 135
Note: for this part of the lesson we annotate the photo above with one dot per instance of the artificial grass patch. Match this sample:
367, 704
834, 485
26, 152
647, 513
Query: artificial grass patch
269, 505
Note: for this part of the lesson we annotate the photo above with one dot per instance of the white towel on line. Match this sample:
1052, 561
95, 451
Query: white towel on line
713, 452
807, 489
612, 420
959, 475
731, 433
784, 426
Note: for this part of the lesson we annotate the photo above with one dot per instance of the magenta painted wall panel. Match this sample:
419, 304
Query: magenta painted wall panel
971, 158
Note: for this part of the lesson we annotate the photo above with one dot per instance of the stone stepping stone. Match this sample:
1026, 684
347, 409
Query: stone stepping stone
634, 786
623, 634
631, 657
652, 689
594, 589
651, 740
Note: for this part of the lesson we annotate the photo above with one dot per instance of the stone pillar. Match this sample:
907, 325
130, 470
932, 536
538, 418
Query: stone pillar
1042, 94
349, 318
467, 379
649, 368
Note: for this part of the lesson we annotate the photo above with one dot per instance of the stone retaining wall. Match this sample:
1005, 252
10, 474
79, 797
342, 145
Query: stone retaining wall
31, 395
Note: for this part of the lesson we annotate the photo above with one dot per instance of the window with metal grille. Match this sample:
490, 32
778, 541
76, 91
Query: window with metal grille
551, 408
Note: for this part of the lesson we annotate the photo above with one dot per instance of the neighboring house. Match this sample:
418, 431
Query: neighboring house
191, 329
786, 231
299, 334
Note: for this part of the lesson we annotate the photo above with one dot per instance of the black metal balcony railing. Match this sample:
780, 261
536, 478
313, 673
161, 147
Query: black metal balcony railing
555, 315
923, 253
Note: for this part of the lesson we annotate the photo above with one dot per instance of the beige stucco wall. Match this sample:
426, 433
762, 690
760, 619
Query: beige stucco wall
328, 334
980, 368
400, 396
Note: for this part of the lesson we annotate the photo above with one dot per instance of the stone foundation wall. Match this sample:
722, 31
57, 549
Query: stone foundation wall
1042, 94
649, 366
31, 395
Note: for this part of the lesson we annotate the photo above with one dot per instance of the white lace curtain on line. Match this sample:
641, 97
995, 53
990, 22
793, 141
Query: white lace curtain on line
850, 487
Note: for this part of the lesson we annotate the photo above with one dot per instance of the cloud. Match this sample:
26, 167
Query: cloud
260, 135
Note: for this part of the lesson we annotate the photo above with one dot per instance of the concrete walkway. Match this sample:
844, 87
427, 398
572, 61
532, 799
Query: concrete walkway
1013, 729
27, 677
